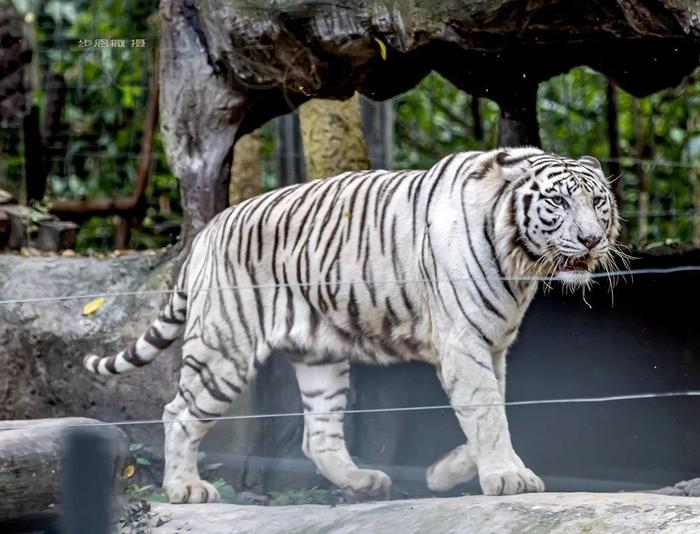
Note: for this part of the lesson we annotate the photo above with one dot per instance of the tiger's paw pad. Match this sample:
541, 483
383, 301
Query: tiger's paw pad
511, 482
365, 484
191, 492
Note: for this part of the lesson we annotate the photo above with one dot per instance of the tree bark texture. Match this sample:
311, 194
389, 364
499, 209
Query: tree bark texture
333, 138
228, 66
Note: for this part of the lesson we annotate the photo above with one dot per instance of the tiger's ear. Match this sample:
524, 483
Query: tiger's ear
513, 162
590, 161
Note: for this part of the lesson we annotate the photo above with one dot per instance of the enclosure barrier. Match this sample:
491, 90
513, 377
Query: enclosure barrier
91, 465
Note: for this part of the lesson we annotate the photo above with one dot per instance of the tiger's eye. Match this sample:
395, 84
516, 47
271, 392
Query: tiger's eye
558, 200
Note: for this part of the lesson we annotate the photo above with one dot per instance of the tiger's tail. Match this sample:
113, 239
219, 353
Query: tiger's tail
162, 332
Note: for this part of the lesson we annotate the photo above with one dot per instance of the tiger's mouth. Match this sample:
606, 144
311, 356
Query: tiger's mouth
575, 271
576, 265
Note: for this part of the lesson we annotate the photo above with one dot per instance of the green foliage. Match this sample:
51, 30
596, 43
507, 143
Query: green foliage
314, 495
571, 112
104, 112
142, 486
434, 119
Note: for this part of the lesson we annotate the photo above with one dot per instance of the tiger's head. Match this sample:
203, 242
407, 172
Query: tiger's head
566, 217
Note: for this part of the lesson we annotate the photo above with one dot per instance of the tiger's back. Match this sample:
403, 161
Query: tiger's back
320, 270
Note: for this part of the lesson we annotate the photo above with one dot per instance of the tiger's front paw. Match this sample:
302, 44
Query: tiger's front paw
510, 482
191, 492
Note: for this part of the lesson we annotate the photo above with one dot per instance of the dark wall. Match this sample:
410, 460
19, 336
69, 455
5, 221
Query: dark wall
645, 340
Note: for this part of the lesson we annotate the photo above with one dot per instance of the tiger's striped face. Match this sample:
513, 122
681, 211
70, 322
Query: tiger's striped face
567, 217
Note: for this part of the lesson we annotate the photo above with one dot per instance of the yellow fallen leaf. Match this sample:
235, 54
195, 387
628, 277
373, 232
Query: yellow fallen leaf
92, 306
382, 48
129, 471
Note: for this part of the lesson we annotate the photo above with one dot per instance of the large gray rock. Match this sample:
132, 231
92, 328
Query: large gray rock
42, 343
685, 488
546, 513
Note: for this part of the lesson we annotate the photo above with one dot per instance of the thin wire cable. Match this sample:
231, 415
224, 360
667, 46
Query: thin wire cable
574, 400
663, 163
614, 274
668, 213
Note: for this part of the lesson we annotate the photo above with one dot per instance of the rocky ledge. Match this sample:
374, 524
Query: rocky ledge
562, 513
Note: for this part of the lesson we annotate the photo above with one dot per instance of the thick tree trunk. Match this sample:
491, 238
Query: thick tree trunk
333, 137
246, 171
200, 116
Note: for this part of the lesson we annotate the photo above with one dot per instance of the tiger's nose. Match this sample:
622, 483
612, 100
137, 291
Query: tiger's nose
589, 241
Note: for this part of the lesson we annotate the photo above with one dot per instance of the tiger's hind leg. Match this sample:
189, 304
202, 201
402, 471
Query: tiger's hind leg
324, 390
455, 467
208, 384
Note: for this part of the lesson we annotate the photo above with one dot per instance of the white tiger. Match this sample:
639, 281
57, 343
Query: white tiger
377, 267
